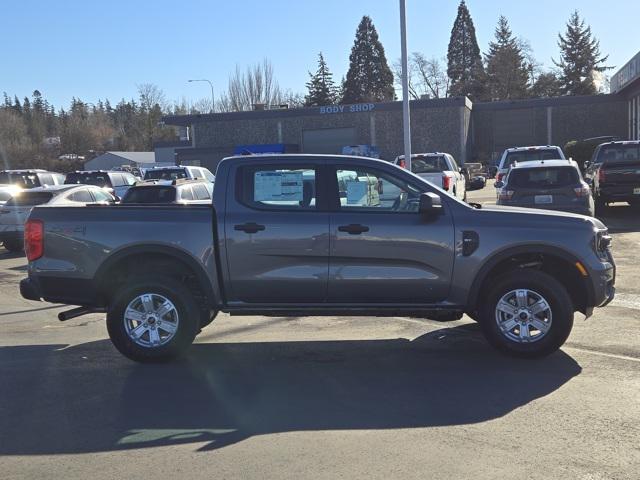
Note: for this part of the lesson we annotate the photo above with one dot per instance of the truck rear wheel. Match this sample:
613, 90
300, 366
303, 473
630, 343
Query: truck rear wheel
527, 314
153, 319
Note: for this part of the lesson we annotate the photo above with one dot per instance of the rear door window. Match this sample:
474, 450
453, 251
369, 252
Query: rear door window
543, 178
200, 192
186, 193
279, 188
81, 196
46, 179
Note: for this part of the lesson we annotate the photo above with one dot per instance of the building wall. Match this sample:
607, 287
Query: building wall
436, 125
470, 132
106, 161
555, 121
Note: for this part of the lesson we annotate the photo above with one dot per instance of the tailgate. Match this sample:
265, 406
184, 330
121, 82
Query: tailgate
622, 174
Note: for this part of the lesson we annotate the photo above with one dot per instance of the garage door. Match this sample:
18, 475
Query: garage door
327, 140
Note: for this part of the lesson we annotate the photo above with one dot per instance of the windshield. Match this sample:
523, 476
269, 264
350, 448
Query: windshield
165, 174
543, 177
428, 164
97, 179
26, 180
156, 194
29, 199
619, 154
531, 156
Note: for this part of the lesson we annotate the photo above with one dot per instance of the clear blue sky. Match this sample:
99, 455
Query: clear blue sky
103, 49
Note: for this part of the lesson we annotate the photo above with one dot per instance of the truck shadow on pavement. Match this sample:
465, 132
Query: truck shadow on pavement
87, 398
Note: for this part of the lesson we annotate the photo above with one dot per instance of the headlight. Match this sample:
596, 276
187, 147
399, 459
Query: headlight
602, 243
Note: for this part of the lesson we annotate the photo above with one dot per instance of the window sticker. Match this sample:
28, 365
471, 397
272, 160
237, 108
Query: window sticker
356, 193
278, 186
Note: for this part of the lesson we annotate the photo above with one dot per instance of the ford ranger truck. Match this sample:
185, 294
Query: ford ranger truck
317, 235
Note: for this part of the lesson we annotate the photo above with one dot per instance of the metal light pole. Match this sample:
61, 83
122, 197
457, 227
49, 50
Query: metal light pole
406, 117
213, 99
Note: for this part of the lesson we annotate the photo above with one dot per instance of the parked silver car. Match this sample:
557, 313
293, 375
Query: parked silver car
15, 212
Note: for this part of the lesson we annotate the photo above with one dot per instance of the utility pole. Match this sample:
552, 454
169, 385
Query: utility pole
406, 117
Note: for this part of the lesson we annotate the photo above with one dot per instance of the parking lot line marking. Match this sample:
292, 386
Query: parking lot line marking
602, 354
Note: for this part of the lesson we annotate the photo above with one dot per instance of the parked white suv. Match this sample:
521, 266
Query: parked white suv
179, 171
440, 169
526, 154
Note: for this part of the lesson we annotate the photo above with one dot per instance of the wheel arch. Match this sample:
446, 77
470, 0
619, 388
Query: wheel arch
549, 259
124, 259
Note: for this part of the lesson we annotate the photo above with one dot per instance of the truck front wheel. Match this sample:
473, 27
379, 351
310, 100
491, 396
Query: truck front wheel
527, 313
153, 319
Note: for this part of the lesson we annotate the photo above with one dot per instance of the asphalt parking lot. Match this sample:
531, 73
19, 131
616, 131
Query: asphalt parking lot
323, 397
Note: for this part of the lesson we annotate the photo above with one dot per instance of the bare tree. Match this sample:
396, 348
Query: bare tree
427, 77
151, 95
431, 75
255, 85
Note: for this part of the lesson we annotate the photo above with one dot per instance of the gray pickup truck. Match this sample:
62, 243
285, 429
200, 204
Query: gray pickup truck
318, 235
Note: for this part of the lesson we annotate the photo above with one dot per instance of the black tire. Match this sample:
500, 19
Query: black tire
187, 308
14, 245
556, 296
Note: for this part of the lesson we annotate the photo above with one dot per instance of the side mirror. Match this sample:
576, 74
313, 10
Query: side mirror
430, 204
499, 184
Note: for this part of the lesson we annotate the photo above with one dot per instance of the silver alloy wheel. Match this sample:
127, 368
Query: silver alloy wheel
151, 320
523, 316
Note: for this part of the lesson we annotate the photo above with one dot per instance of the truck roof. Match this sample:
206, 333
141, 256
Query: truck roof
544, 163
532, 148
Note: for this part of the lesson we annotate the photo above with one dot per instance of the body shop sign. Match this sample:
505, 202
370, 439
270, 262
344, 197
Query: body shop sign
358, 107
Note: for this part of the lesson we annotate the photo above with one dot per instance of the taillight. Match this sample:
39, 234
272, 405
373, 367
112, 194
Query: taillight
402, 163
601, 176
499, 176
446, 182
34, 239
505, 194
582, 191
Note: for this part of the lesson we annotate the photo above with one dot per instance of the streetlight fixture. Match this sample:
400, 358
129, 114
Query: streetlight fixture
406, 119
213, 100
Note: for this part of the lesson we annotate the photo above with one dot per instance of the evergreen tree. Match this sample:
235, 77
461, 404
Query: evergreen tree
579, 58
507, 69
369, 78
465, 67
321, 89
546, 85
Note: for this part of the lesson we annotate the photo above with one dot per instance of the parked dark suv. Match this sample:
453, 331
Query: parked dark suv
547, 184
614, 173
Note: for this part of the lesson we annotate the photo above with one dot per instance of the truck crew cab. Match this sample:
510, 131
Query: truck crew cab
317, 235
